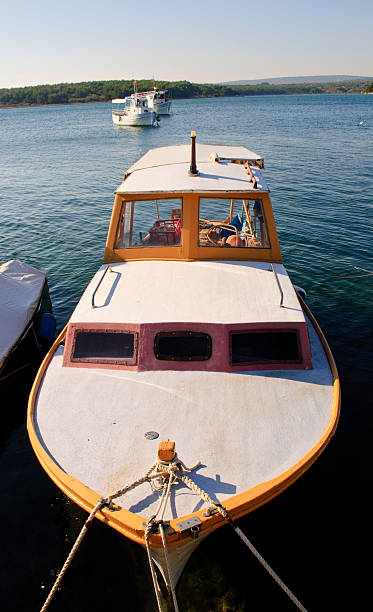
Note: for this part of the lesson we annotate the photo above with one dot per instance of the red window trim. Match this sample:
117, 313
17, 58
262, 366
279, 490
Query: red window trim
219, 361
115, 363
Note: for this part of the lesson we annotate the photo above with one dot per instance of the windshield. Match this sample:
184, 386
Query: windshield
148, 223
224, 222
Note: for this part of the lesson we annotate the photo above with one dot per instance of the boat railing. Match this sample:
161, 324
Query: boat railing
278, 285
98, 285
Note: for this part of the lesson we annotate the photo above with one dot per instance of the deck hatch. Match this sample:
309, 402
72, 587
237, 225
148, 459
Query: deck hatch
182, 346
104, 346
265, 346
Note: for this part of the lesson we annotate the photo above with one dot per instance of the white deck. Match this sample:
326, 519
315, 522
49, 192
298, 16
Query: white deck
245, 428
162, 291
165, 170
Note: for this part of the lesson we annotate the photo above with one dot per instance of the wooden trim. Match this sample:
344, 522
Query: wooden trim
190, 250
131, 221
112, 232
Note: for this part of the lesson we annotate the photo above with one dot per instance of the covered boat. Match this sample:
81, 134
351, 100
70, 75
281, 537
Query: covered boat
191, 384
22, 289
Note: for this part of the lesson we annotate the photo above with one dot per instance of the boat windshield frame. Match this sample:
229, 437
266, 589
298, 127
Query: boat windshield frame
189, 248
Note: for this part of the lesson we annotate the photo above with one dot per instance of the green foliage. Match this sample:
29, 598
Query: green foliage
369, 89
103, 91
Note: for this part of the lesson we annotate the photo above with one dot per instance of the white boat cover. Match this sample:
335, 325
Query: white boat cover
21, 286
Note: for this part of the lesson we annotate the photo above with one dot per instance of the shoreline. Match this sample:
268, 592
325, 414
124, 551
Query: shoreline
256, 95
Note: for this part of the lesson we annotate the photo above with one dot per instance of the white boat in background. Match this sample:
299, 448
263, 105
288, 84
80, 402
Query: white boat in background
158, 100
191, 334
23, 324
133, 110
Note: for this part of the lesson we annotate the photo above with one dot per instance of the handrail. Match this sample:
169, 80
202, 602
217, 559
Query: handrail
278, 285
251, 174
99, 283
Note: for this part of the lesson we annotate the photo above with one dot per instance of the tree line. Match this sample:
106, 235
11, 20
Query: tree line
103, 91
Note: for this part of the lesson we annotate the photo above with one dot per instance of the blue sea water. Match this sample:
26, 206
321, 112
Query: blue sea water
59, 168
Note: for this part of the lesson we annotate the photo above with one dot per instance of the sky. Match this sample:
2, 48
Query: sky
205, 41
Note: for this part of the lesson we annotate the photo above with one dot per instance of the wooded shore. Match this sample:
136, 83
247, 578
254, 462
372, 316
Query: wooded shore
104, 91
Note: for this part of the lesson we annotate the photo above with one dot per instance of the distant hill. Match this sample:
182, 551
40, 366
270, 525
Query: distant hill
330, 78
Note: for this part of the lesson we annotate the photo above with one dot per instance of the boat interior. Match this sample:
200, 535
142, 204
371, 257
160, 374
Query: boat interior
237, 222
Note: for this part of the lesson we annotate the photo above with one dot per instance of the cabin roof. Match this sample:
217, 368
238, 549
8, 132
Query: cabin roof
167, 291
152, 92
220, 167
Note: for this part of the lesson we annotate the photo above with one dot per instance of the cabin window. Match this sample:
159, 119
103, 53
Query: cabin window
224, 222
104, 347
265, 346
182, 346
150, 223
119, 106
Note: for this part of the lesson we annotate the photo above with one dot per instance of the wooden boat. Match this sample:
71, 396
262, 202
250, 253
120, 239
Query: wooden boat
25, 314
189, 347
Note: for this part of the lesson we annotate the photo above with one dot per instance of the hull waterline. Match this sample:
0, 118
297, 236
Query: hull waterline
135, 120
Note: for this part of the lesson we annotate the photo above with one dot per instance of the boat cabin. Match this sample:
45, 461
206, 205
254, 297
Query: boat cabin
120, 106
161, 96
162, 210
169, 211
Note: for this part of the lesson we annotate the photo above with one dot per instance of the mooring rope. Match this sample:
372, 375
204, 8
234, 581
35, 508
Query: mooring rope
220, 508
271, 572
151, 563
104, 501
71, 555
171, 472
170, 579
164, 469
169, 469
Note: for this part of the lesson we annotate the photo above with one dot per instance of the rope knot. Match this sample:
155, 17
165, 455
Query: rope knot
106, 501
169, 467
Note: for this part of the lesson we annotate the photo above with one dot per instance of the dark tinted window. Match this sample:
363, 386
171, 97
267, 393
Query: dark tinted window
103, 346
182, 346
264, 347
